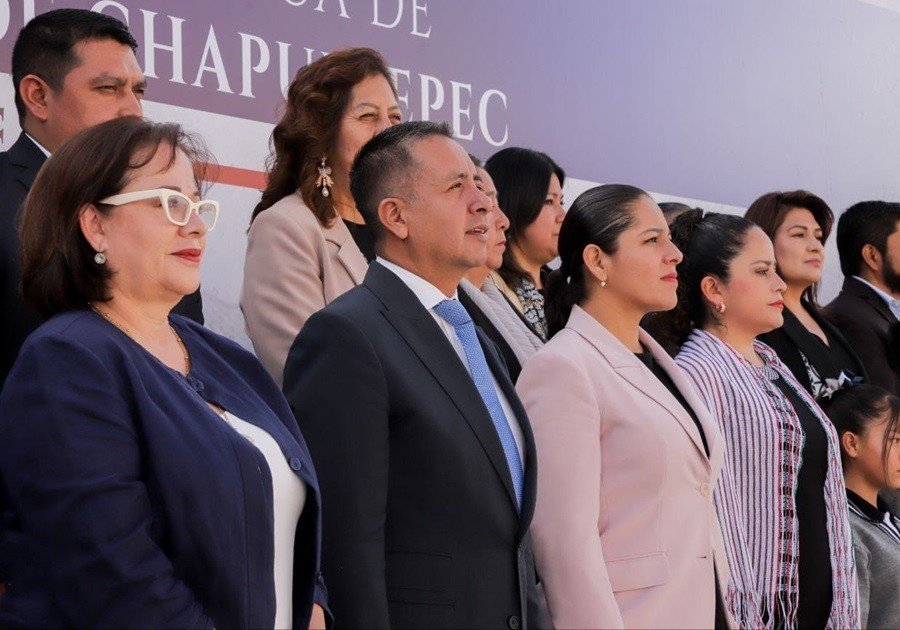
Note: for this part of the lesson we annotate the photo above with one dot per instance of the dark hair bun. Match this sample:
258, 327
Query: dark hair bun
683, 226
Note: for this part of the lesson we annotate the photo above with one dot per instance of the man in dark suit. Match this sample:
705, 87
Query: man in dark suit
868, 241
424, 453
72, 69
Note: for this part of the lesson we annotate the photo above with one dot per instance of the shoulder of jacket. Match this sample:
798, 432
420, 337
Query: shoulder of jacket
291, 208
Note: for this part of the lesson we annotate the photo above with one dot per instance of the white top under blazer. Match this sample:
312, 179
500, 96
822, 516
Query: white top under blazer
289, 496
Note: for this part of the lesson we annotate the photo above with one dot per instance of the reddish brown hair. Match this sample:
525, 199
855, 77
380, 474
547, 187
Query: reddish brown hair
58, 268
316, 100
770, 210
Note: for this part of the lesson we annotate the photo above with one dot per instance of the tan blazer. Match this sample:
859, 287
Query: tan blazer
625, 532
294, 267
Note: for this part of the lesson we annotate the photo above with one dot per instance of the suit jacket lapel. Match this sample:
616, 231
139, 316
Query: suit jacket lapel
28, 158
865, 292
422, 334
710, 426
348, 253
632, 370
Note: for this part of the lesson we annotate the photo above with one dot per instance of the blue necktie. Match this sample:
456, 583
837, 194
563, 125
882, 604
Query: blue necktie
454, 313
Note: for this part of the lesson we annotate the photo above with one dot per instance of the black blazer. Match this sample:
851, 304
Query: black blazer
18, 169
865, 321
481, 320
421, 527
793, 341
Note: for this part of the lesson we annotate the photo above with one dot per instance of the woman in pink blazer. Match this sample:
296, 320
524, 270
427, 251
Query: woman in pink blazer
307, 242
625, 532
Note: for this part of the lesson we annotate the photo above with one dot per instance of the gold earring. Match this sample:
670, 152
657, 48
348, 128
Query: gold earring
324, 182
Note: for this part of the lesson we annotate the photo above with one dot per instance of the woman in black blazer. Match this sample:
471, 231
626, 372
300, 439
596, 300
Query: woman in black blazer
799, 222
151, 472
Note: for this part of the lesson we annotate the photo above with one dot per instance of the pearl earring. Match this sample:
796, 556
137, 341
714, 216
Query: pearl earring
603, 283
720, 307
324, 182
100, 258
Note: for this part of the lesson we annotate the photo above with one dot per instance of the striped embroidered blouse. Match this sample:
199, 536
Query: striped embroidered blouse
755, 496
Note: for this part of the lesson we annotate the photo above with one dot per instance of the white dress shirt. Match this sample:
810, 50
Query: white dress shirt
892, 303
430, 296
289, 497
38, 145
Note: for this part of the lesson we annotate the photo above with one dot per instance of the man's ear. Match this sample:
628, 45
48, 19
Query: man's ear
392, 214
871, 257
93, 226
35, 93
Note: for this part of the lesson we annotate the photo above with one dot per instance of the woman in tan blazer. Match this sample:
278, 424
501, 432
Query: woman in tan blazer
307, 242
625, 532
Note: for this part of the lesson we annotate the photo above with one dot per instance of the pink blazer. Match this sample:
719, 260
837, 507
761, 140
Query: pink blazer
293, 268
625, 532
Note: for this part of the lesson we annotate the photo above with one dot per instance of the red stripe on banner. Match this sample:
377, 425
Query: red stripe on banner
233, 176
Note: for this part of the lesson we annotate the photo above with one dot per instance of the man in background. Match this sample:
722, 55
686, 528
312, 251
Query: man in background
72, 69
868, 306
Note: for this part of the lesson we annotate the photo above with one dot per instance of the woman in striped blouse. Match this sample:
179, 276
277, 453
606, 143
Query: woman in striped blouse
780, 497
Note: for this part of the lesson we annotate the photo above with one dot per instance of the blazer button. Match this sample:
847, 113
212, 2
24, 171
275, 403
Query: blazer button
513, 622
705, 489
295, 463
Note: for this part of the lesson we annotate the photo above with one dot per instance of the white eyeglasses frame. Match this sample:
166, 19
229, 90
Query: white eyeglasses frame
163, 194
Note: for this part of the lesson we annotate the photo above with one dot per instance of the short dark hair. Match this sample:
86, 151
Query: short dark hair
709, 243
46, 45
598, 217
478, 163
864, 223
853, 409
522, 177
770, 210
384, 167
58, 268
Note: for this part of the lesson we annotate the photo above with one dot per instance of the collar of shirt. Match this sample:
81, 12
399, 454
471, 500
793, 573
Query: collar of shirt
38, 145
873, 513
428, 294
893, 304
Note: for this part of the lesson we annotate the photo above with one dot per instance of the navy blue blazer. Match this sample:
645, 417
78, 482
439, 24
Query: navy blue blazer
128, 500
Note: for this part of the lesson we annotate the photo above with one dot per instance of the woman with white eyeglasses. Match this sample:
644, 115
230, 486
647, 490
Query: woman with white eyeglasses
151, 472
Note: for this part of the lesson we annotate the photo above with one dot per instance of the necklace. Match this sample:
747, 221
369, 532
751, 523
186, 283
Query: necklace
124, 329
354, 215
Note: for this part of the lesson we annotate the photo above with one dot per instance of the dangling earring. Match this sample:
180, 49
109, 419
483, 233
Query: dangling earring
720, 307
324, 182
100, 258
603, 283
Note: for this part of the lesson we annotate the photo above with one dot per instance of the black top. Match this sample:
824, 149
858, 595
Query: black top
664, 378
363, 238
815, 548
810, 359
